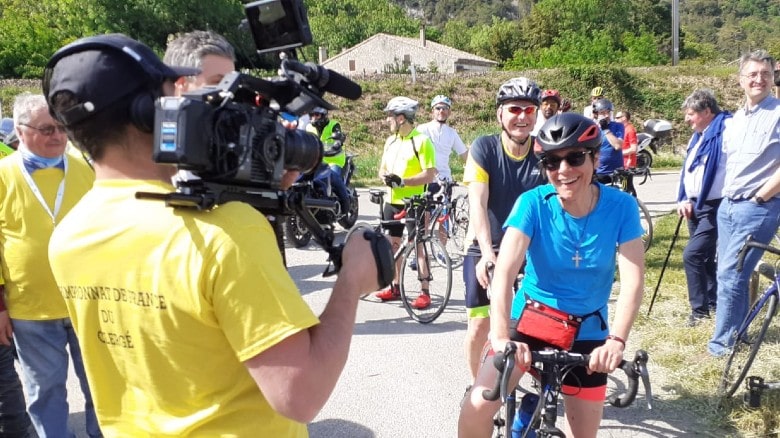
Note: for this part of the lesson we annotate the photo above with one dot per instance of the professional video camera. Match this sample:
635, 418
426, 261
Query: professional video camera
229, 135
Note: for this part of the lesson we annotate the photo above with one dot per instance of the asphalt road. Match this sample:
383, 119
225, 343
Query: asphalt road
405, 379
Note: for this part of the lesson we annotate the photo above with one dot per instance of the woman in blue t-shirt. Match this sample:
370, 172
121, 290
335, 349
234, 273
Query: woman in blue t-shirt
568, 231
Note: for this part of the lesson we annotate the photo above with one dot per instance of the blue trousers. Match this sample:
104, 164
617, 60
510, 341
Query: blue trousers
14, 421
699, 258
738, 219
43, 354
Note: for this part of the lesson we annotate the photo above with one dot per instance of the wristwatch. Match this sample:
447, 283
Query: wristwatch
759, 200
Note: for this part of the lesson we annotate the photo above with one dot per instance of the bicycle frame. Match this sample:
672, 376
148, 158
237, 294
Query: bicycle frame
551, 366
752, 330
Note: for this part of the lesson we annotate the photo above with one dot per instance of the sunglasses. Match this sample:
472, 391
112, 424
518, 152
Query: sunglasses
517, 110
441, 108
573, 159
47, 130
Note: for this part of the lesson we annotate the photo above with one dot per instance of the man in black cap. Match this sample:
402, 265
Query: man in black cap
190, 326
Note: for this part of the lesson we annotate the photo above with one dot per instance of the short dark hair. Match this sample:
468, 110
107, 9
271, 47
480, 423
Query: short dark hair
91, 135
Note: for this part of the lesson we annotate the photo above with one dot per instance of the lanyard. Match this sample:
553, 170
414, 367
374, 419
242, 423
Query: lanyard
39, 195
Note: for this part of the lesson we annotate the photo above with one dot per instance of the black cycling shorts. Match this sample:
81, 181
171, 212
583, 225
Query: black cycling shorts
396, 230
577, 377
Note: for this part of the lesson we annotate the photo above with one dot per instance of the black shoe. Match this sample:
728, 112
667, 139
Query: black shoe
695, 319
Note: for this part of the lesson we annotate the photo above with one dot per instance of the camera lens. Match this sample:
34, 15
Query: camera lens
302, 152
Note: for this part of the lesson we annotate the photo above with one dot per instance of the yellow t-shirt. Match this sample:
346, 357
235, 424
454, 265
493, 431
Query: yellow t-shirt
405, 157
25, 228
167, 304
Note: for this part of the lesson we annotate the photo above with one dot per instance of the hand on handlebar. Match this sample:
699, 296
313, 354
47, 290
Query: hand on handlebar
606, 358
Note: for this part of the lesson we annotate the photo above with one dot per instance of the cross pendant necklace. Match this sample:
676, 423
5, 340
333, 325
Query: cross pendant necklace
576, 257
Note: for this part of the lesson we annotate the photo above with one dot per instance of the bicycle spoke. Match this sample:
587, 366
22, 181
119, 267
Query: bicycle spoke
747, 344
438, 275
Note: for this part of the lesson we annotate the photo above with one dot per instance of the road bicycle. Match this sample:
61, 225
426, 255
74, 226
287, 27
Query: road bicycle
549, 368
433, 263
624, 180
753, 330
450, 221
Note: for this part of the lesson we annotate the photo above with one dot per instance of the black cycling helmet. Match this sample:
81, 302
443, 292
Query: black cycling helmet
568, 130
519, 89
602, 105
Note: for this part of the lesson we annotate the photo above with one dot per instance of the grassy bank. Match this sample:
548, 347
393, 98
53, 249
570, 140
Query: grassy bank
686, 377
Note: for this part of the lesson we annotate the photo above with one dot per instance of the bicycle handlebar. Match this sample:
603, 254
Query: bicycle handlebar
751, 243
634, 370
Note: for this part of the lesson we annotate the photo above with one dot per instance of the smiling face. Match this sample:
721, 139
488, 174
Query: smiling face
698, 120
569, 179
756, 79
42, 135
517, 117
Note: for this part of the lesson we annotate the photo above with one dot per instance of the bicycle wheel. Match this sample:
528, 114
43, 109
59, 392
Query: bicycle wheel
647, 224
749, 338
439, 276
452, 236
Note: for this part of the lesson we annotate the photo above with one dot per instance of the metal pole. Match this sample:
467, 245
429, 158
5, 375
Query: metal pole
663, 268
675, 32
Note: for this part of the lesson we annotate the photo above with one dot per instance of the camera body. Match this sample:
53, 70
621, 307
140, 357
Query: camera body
230, 134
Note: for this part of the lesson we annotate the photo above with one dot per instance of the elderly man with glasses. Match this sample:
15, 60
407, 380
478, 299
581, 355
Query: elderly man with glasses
39, 184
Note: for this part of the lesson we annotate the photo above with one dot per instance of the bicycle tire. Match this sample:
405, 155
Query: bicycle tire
748, 341
455, 236
647, 224
439, 284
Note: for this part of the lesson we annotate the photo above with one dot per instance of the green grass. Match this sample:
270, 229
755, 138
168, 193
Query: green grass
685, 377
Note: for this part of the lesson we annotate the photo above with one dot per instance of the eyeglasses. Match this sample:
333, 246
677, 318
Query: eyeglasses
619, 116
573, 159
441, 108
47, 130
765, 75
517, 110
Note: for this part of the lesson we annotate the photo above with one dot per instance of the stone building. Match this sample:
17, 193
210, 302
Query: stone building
383, 53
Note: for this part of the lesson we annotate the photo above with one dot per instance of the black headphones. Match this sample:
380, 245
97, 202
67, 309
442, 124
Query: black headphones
142, 106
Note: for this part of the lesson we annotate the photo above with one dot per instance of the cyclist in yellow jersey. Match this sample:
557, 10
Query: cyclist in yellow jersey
190, 325
408, 164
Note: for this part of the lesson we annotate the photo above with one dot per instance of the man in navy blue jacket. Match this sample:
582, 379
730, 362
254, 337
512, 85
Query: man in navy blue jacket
700, 193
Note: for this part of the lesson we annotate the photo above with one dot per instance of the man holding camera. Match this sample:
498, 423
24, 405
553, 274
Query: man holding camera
190, 326
611, 151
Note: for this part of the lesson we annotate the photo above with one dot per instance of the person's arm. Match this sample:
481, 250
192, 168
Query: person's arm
424, 177
631, 265
6, 329
771, 187
511, 256
298, 374
632, 142
614, 141
479, 192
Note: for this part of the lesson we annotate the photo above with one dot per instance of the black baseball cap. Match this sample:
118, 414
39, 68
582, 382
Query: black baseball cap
101, 69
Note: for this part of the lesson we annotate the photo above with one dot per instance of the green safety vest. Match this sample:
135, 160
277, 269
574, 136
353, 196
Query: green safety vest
341, 158
5, 150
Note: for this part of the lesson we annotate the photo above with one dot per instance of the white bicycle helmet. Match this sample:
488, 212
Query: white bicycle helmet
402, 105
441, 99
519, 89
